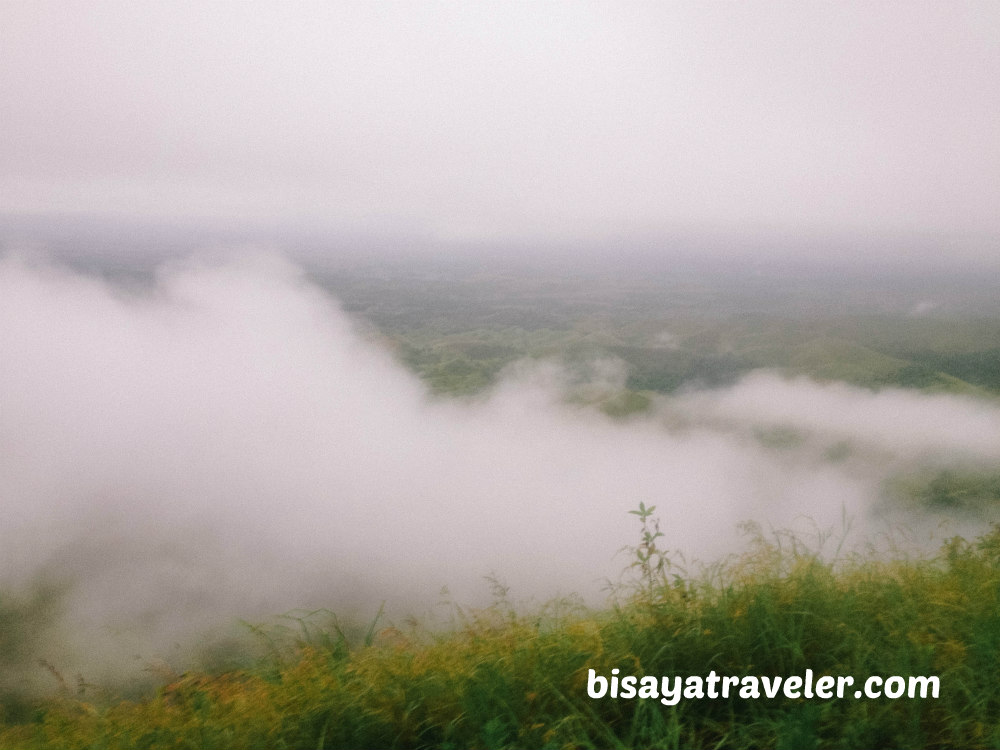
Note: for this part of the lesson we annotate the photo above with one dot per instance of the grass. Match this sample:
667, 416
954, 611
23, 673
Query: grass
502, 677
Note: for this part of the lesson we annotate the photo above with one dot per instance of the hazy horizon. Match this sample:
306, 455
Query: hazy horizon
557, 126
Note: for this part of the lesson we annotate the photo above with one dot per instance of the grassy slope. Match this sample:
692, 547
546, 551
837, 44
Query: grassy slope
508, 679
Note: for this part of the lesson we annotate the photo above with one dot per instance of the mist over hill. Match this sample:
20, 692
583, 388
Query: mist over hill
346, 348
219, 438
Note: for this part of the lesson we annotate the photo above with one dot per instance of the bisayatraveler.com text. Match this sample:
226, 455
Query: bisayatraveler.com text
670, 690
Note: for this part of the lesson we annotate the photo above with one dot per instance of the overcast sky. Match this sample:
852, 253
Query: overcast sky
481, 121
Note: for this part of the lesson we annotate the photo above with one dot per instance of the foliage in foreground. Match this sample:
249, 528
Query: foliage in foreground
501, 678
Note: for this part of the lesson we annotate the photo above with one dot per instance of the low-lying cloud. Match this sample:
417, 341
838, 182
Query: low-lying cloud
228, 444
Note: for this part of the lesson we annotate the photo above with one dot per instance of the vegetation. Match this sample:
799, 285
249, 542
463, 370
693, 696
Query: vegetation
949, 490
459, 327
514, 676
507, 678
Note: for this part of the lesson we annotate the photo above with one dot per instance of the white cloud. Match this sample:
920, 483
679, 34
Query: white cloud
228, 444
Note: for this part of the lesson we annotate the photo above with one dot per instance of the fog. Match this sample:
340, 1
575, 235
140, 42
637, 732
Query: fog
228, 443
512, 122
